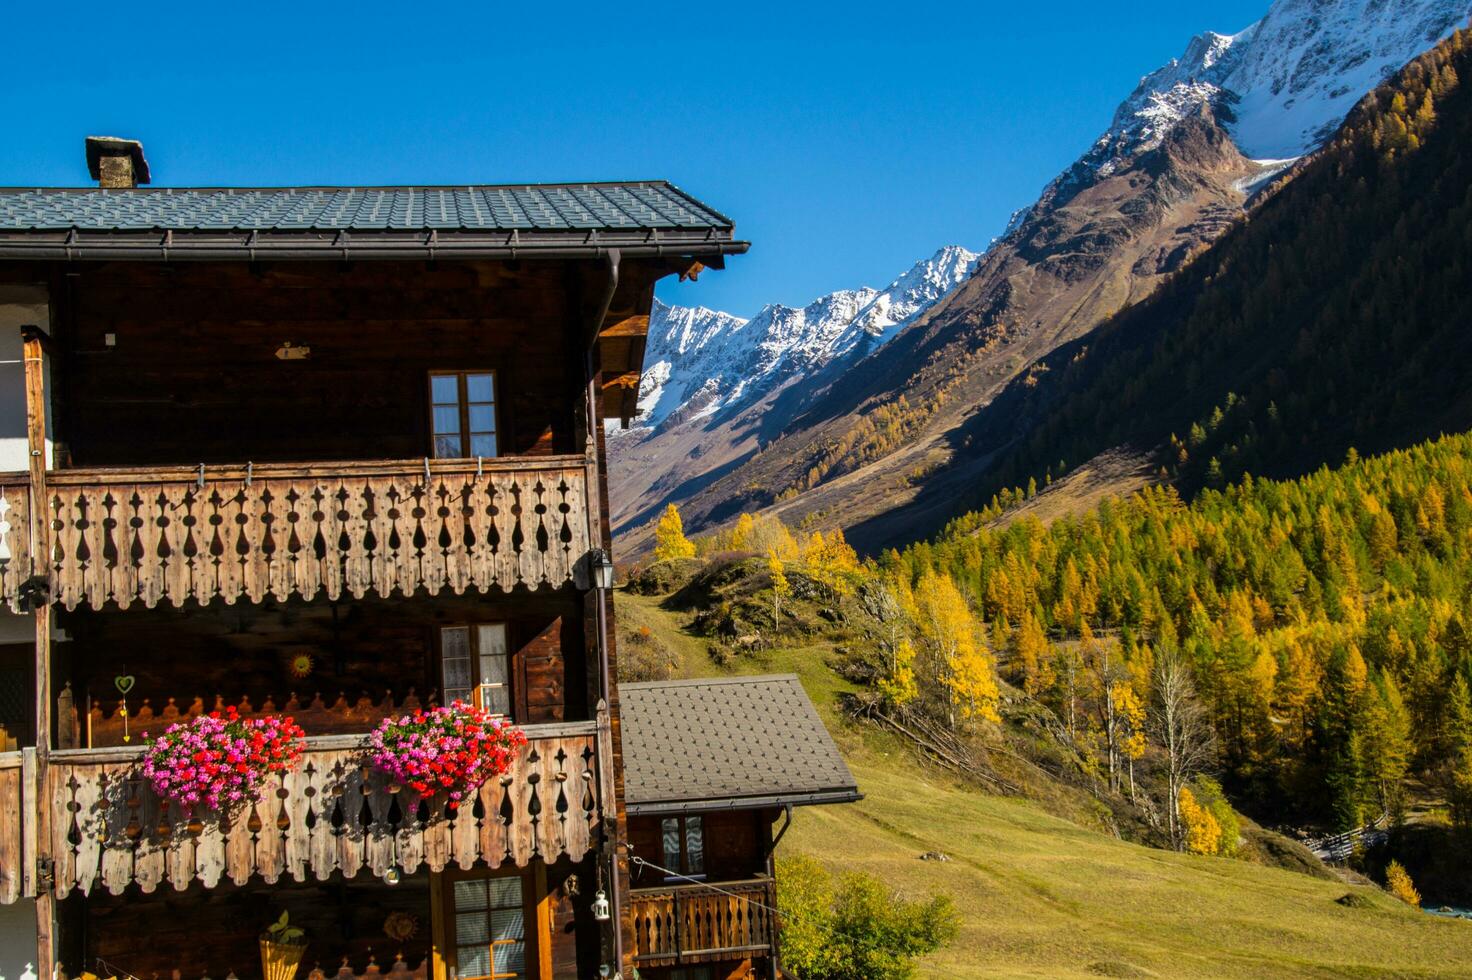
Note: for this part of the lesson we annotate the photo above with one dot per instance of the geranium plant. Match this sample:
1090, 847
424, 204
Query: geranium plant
450, 750
217, 760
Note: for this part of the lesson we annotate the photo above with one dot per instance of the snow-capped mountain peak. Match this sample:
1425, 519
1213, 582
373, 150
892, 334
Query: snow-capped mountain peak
702, 361
1286, 81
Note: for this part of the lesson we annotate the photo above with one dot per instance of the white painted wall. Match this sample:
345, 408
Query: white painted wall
16, 628
17, 939
19, 305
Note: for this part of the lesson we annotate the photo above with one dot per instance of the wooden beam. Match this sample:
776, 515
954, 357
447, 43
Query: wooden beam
630, 326
35, 343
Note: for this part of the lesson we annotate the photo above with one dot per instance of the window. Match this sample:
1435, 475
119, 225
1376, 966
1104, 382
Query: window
684, 845
487, 929
463, 413
475, 666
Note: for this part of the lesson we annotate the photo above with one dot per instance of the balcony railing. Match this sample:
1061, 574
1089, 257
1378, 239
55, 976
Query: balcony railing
696, 923
334, 813
15, 537
281, 530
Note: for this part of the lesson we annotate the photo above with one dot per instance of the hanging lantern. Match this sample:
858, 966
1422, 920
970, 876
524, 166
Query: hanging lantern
602, 569
601, 910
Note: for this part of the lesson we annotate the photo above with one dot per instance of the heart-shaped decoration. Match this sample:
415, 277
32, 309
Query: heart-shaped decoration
123, 682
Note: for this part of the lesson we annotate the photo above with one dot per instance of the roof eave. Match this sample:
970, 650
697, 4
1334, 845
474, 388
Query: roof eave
715, 804
316, 245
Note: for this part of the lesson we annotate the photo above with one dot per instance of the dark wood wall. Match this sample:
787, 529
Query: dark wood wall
359, 648
208, 931
736, 845
194, 377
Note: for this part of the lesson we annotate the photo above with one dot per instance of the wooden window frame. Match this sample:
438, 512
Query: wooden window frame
463, 404
537, 912
516, 689
684, 869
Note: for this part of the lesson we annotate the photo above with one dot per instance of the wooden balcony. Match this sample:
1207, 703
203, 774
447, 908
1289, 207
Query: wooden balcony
697, 923
283, 530
333, 814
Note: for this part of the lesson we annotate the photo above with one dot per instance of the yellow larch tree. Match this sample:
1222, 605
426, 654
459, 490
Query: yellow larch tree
899, 688
1399, 884
1202, 832
962, 666
669, 537
781, 588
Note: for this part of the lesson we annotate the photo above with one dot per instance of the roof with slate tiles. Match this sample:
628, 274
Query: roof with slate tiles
305, 221
727, 743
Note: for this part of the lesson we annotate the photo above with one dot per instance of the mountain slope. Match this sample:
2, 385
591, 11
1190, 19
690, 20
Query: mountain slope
713, 382
1337, 317
1168, 177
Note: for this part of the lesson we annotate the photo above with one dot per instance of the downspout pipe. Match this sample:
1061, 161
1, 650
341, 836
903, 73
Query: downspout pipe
605, 684
611, 260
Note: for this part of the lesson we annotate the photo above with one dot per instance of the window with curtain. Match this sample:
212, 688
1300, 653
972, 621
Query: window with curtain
475, 666
463, 413
488, 929
683, 844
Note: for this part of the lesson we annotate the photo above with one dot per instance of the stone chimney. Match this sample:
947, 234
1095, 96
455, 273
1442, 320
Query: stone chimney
115, 162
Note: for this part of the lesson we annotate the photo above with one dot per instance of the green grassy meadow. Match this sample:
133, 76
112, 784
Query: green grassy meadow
1040, 896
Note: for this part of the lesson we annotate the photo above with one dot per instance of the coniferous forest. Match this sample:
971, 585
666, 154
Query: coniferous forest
1327, 621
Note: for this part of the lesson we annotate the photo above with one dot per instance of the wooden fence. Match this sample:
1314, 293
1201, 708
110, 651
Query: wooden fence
335, 813
694, 923
281, 530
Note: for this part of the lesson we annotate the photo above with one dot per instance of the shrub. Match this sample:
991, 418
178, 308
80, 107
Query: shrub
855, 928
644, 658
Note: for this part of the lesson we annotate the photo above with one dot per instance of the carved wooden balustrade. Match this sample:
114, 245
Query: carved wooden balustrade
15, 536
695, 923
105, 724
12, 827
144, 535
334, 813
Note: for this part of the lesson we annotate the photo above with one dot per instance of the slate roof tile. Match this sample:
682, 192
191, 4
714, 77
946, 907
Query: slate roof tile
727, 739
646, 205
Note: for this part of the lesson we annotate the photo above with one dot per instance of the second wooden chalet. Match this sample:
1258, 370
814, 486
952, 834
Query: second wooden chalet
334, 453
710, 767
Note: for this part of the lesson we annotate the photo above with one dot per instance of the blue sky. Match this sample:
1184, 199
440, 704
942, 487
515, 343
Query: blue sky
846, 140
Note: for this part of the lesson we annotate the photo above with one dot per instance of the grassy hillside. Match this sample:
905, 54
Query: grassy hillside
1041, 896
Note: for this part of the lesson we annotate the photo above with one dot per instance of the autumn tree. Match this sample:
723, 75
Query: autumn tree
1398, 883
669, 537
898, 686
781, 588
1200, 832
962, 667
1182, 730
1029, 655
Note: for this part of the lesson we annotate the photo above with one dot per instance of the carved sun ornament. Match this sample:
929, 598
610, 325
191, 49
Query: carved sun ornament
400, 926
301, 665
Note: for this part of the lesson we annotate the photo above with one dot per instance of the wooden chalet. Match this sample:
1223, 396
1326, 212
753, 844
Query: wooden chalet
710, 767
332, 452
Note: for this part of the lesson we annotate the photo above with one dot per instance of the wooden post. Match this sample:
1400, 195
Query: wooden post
35, 343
